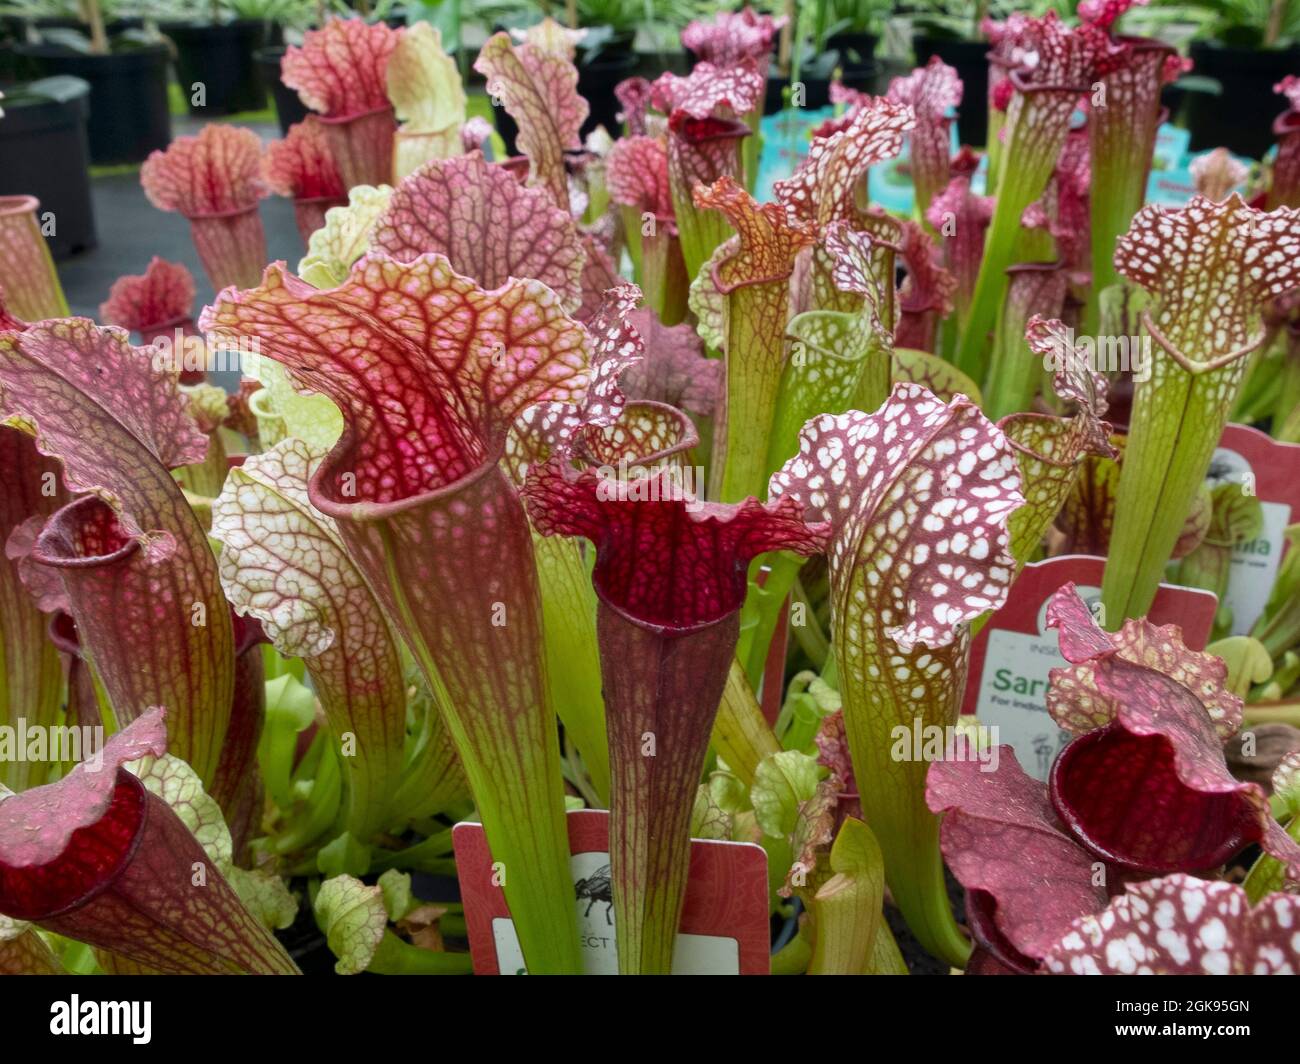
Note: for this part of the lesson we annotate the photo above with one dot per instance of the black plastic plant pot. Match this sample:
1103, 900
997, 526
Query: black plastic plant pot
1241, 118
288, 108
815, 76
970, 60
43, 143
220, 59
817, 93
620, 42
128, 96
16, 26
856, 51
596, 80
856, 48
508, 130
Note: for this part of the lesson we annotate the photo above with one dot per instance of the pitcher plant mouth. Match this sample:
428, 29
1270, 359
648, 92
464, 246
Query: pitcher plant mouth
340, 120
68, 540
17, 205
234, 212
1286, 123
325, 493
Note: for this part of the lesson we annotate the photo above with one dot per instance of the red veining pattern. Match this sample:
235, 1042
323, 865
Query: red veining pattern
340, 69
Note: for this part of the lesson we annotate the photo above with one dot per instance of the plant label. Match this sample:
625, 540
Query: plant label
1014, 652
1271, 470
1171, 147
1171, 187
724, 928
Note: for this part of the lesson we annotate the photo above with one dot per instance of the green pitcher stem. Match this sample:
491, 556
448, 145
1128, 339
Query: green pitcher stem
1015, 372
893, 803
1268, 874
632, 239
761, 613
756, 318
572, 656
664, 277
522, 815
741, 734
917, 885
207, 478
1177, 421
1034, 142
700, 231
1122, 137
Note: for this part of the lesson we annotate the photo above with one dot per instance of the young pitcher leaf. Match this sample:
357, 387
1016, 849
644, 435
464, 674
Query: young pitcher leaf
284, 563
29, 283
731, 37
425, 90
302, 166
216, 172
340, 72
637, 175
825, 188
354, 920
154, 302
706, 131
961, 219
539, 89
340, 69
931, 92
754, 277
1050, 449
214, 180
841, 359
1051, 66
670, 575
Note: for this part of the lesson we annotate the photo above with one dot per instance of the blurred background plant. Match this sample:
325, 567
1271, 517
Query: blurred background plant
1243, 23
961, 19
835, 17
290, 14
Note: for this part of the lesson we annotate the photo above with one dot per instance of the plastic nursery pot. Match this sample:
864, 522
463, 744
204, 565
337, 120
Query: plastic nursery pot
508, 130
288, 108
597, 77
1241, 117
71, 22
970, 59
128, 96
43, 143
857, 62
220, 58
815, 76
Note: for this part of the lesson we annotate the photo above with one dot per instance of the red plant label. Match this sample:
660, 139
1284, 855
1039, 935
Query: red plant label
1012, 655
1269, 470
724, 928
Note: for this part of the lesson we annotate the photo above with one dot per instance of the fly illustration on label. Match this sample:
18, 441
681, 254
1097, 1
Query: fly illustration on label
597, 887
